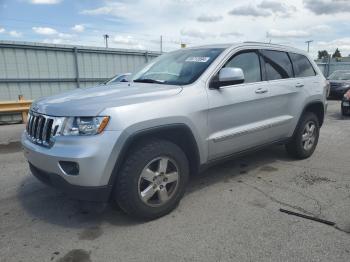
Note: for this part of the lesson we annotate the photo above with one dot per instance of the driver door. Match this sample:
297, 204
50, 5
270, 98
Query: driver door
238, 114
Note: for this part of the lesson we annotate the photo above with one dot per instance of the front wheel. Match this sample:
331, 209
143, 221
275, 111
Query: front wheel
152, 180
305, 138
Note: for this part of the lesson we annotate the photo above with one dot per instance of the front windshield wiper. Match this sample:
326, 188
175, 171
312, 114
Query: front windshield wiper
149, 80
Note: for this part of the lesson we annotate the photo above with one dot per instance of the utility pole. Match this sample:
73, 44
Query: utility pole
161, 44
308, 45
106, 39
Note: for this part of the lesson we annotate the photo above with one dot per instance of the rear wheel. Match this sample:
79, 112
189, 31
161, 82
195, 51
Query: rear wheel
152, 180
305, 138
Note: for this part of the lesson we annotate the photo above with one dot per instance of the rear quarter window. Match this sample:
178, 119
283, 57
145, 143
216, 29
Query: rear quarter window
302, 66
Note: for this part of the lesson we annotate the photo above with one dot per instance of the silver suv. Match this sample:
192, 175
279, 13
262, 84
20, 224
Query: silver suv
137, 143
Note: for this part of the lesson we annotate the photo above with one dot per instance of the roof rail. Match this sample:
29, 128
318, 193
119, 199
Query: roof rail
265, 43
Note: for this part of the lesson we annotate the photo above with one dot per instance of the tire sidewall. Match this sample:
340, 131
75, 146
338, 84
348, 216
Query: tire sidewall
163, 149
299, 146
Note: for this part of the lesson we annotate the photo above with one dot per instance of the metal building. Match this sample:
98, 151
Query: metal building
35, 69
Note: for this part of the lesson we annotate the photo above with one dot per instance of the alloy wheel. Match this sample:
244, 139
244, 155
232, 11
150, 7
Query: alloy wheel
158, 181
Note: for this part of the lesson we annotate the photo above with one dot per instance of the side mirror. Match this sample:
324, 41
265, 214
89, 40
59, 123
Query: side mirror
228, 76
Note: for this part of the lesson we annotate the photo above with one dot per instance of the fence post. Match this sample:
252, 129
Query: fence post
146, 56
328, 65
76, 66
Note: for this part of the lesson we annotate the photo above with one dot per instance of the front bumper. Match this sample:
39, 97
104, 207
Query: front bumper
96, 194
95, 156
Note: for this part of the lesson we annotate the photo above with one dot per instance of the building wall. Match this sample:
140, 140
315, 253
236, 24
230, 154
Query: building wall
35, 70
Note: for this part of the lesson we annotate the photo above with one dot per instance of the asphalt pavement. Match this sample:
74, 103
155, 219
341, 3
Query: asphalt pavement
229, 213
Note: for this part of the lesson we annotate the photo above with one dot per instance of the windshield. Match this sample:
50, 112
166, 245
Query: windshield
340, 75
180, 67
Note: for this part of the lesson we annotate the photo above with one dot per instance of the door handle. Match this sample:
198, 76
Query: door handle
261, 90
299, 85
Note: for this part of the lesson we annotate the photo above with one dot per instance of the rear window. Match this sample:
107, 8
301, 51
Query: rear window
277, 64
302, 65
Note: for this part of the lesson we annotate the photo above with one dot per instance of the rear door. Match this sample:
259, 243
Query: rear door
284, 93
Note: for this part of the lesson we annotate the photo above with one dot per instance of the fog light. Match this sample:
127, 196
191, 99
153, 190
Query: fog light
70, 168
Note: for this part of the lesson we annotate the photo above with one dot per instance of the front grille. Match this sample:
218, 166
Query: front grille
41, 128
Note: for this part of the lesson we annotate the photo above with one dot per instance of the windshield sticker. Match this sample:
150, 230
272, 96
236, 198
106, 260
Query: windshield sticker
198, 59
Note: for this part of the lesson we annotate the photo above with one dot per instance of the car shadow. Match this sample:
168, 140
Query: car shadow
337, 116
46, 204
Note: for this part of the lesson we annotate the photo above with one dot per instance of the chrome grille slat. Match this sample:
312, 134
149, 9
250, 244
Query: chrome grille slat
44, 133
32, 126
35, 126
28, 123
40, 128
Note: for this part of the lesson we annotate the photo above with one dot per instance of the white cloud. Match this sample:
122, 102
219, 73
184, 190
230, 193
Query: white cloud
2, 30
321, 29
48, 31
78, 28
63, 35
44, 30
14, 33
124, 40
277, 7
109, 9
230, 34
342, 43
45, 2
196, 33
127, 41
54, 41
209, 18
249, 10
274, 33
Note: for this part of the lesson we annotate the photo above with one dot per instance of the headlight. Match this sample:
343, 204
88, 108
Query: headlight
345, 85
84, 126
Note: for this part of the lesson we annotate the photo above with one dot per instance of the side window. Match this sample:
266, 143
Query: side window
277, 64
249, 63
302, 65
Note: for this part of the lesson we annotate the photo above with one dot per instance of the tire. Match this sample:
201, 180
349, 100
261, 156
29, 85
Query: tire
304, 142
146, 186
342, 109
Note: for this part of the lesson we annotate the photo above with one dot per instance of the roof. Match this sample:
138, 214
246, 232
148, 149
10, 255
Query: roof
261, 44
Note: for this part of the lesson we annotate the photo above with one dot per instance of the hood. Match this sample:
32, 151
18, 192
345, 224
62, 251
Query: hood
339, 81
91, 101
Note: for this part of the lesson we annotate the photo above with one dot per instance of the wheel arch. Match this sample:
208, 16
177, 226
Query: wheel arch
180, 134
317, 108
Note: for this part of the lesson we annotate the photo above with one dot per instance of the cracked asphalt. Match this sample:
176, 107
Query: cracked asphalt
230, 212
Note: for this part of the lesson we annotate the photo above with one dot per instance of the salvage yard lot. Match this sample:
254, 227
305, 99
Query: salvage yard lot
230, 212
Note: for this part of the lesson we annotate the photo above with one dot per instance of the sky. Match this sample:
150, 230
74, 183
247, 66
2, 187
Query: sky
139, 24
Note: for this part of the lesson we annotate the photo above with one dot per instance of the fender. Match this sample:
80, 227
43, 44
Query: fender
312, 104
148, 132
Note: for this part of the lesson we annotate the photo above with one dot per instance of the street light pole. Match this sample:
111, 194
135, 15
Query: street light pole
308, 45
106, 39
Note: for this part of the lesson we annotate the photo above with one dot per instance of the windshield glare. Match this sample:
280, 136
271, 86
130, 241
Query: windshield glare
340, 75
180, 67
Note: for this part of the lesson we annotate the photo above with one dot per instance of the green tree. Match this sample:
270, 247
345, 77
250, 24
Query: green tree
323, 54
336, 54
